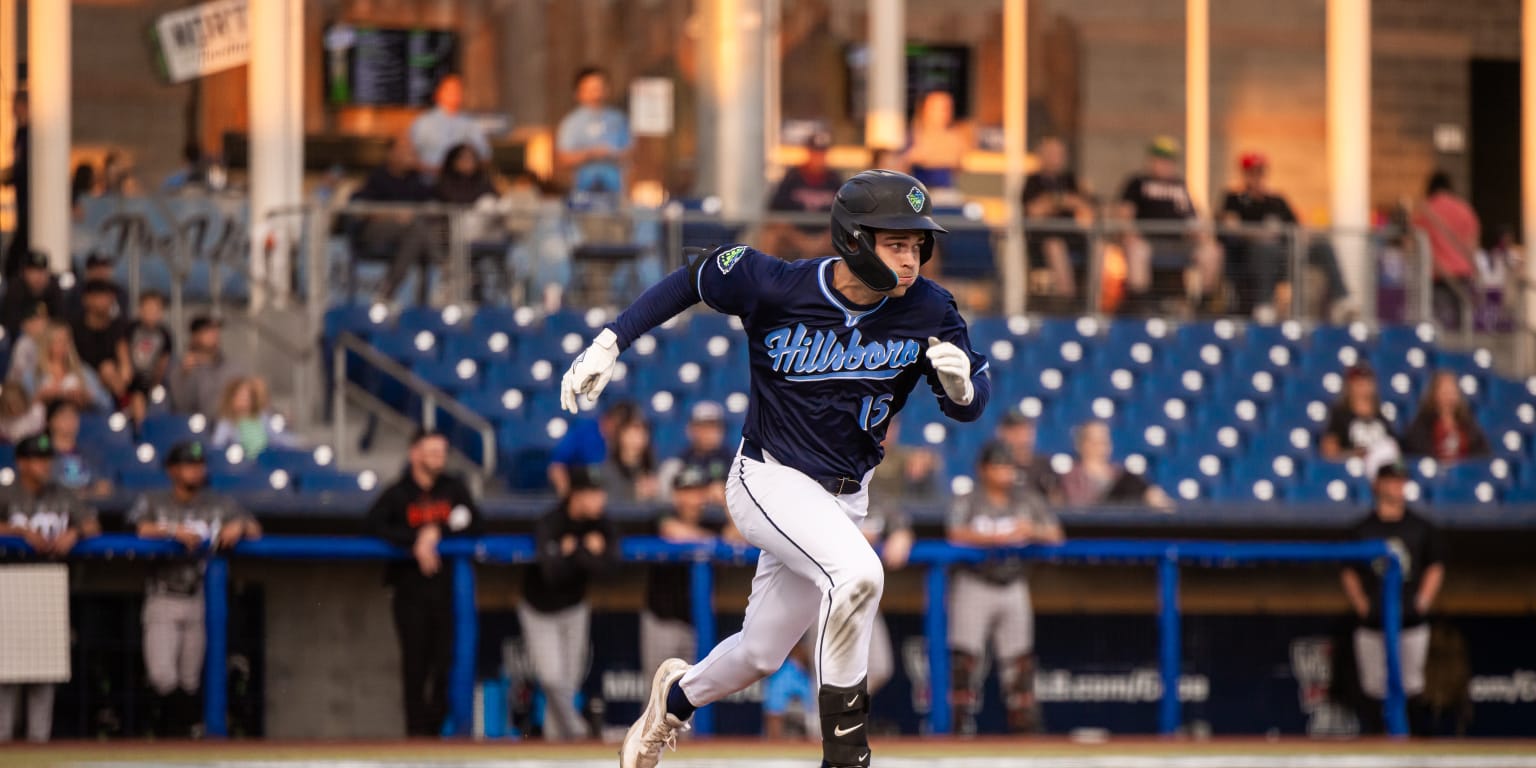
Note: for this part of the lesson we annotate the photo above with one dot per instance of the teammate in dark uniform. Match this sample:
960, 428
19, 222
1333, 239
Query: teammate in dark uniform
836, 347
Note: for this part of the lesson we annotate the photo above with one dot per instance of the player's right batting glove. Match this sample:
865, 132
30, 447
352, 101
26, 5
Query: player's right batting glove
590, 372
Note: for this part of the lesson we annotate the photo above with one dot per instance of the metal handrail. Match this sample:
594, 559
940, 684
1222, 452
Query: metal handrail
432, 397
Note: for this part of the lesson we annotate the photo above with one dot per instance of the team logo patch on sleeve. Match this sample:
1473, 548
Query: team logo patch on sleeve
728, 259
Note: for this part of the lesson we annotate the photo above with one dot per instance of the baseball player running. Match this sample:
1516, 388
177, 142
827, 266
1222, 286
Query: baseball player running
836, 346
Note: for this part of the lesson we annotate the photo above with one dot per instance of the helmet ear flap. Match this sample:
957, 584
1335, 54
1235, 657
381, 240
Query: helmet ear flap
925, 251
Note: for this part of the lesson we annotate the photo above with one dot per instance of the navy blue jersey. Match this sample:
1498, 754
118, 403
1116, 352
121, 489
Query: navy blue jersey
827, 374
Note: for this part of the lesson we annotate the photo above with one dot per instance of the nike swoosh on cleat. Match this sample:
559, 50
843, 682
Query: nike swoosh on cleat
840, 731
852, 701
863, 756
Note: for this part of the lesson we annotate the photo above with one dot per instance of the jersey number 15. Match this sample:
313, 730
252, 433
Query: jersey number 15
874, 410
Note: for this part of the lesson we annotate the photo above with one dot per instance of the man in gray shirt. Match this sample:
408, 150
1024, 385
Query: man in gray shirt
991, 600
173, 600
197, 381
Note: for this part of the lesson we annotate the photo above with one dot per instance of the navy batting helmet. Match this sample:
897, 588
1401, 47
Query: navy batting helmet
876, 200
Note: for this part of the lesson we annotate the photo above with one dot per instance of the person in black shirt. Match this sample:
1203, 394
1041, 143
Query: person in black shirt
36, 286
1159, 196
400, 238
1260, 260
99, 267
101, 337
1356, 426
1052, 192
1421, 549
806, 188
576, 542
423, 507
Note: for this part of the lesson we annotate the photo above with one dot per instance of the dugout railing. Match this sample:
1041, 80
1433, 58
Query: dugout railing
1166, 556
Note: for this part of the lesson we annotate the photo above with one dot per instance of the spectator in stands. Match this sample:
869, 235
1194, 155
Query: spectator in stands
51, 519
1422, 554
1455, 234
1158, 196
400, 238
59, 374
244, 418
18, 177
101, 338
808, 188
173, 604
435, 131
593, 141
117, 175
1095, 479
1016, 431
1053, 192
99, 268
149, 342
1356, 426
706, 448
576, 543
20, 415
908, 472
666, 620
1259, 260
36, 286
80, 468
792, 688
991, 600
629, 473
28, 343
938, 144
426, 505
1444, 427
464, 179
193, 173
585, 442
198, 381
887, 529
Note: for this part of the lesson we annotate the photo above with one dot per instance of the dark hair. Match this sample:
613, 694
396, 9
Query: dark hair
647, 463
59, 405
453, 155
586, 72
1428, 408
81, 182
1439, 181
98, 286
151, 295
423, 433
192, 153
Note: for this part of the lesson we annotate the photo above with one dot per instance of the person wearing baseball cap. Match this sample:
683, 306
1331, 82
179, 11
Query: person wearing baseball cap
989, 603
706, 448
666, 621
1356, 425
1158, 196
197, 518
1421, 550
1258, 251
576, 543
197, 381
1016, 432
51, 519
807, 188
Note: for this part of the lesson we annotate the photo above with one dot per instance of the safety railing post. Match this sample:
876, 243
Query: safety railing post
1396, 713
1299, 283
702, 589
936, 627
339, 401
466, 640
1168, 714
216, 650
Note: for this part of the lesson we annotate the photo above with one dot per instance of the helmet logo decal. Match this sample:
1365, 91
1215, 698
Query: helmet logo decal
728, 259
916, 198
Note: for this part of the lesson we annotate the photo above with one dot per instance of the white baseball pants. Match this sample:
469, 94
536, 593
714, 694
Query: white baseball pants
815, 566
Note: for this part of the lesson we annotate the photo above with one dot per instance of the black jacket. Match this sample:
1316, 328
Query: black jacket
559, 581
400, 512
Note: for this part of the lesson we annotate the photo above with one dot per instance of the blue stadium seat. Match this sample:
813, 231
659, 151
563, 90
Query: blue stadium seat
165, 430
329, 482
407, 346
138, 478
359, 319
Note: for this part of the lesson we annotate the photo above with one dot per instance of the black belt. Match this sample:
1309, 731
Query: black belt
837, 486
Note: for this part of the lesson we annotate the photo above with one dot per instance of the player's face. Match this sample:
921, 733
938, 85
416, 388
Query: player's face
189, 474
998, 476
900, 251
689, 503
34, 472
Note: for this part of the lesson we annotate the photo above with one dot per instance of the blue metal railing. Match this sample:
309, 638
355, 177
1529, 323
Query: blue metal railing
1167, 556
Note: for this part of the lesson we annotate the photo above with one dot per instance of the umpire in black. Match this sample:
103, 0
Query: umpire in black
425, 505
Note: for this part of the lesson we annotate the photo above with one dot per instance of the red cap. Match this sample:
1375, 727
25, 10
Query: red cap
1252, 160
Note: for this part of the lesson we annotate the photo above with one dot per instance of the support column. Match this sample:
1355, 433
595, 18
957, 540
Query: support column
1349, 143
1197, 102
9, 49
736, 89
885, 120
276, 142
48, 84
1528, 163
1015, 134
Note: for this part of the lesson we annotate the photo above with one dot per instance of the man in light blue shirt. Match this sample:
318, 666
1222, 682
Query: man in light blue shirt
444, 126
593, 140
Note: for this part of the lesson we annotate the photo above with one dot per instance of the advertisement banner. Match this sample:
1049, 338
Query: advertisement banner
204, 39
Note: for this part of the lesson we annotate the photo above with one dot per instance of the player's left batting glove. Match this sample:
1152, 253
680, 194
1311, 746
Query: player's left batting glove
954, 369
590, 372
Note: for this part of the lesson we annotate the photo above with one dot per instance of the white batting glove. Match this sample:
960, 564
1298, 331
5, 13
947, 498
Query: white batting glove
590, 372
954, 369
